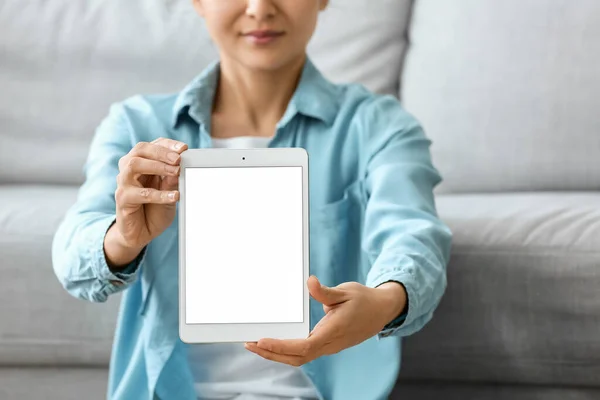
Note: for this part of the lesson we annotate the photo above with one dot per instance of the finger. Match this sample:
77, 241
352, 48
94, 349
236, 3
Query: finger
153, 182
295, 361
133, 167
135, 196
171, 144
154, 151
294, 347
323, 294
169, 183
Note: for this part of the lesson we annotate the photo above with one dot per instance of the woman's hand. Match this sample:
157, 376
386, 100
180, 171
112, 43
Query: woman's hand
353, 314
146, 197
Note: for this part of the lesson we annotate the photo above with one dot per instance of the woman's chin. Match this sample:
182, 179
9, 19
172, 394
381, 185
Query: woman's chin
259, 60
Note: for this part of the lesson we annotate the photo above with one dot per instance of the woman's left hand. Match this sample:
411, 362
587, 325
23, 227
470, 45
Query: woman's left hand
353, 314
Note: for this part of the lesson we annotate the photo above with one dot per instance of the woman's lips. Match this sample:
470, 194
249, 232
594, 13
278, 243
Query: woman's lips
263, 37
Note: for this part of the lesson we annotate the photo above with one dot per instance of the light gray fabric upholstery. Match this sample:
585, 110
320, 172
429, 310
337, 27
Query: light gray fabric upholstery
563, 222
522, 305
50, 384
508, 92
437, 391
64, 62
363, 41
41, 323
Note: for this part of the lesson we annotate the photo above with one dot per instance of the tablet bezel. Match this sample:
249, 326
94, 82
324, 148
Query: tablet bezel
240, 158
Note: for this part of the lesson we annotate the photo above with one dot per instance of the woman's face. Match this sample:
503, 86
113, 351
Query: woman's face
261, 34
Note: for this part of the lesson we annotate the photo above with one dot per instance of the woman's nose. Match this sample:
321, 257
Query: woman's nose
261, 9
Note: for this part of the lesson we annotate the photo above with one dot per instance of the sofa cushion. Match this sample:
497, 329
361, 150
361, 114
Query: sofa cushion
53, 383
522, 303
64, 62
508, 91
363, 41
41, 323
461, 391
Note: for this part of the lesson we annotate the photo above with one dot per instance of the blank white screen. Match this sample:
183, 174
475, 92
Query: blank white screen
243, 233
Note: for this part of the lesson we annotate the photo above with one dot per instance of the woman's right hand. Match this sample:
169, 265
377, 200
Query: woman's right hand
146, 198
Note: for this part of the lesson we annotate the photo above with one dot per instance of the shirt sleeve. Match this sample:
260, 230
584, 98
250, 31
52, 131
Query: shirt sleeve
403, 237
78, 255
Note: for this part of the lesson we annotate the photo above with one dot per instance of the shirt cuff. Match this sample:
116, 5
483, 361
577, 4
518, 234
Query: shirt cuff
112, 281
397, 269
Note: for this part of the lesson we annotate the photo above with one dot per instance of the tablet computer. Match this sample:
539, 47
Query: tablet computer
243, 245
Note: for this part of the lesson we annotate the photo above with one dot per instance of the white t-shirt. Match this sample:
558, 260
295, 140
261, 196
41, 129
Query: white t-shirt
229, 371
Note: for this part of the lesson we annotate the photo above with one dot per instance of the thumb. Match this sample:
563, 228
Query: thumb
323, 294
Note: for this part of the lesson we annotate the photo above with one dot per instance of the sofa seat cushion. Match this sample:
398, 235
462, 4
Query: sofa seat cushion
41, 323
461, 391
53, 383
522, 303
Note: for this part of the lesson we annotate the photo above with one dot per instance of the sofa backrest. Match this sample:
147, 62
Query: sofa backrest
63, 62
508, 91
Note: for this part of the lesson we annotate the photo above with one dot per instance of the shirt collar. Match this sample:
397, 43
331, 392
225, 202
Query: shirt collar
315, 97
197, 97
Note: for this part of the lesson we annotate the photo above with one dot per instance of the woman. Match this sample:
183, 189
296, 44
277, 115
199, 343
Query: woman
378, 251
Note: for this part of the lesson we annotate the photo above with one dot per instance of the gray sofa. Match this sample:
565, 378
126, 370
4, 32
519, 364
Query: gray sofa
508, 92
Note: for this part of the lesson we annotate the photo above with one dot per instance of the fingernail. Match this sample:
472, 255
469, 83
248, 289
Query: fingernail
178, 146
173, 157
171, 195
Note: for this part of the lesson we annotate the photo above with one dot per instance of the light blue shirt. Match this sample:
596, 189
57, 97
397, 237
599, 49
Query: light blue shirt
373, 219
